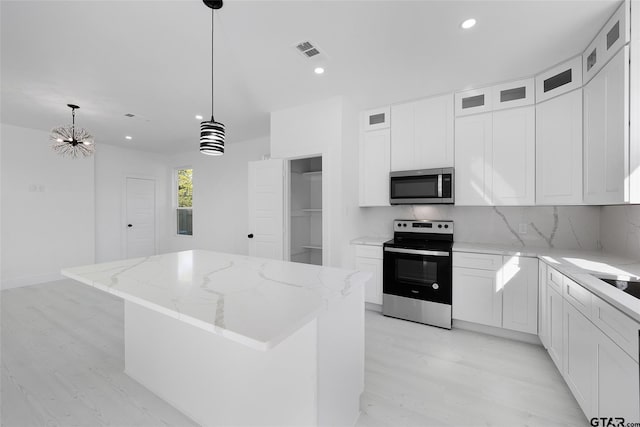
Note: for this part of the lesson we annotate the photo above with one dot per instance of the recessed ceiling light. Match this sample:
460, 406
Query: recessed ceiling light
198, 117
318, 70
128, 137
468, 23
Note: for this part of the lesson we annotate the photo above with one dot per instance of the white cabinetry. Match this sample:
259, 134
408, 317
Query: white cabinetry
606, 133
595, 347
559, 150
495, 145
422, 134
560, 79
543, 331
579, 357
496, 291
520, 294
374, 153
554, 325
369, 259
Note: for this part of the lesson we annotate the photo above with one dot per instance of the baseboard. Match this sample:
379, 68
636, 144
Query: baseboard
498, 332
373, 307
29, 280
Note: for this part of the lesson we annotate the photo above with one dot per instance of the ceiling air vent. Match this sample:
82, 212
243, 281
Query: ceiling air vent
307, 49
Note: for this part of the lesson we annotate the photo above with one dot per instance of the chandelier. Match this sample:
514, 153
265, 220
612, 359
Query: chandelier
69, 141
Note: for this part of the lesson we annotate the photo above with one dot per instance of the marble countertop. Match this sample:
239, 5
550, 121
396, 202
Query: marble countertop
581, 266
257, 302
370, 240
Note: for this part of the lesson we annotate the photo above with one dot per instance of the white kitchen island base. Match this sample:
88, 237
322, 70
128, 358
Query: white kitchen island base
314, 377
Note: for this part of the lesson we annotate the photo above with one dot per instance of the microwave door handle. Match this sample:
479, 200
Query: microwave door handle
440, 186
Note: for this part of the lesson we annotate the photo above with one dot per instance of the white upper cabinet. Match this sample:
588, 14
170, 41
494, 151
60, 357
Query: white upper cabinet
559, 150
513, 162
379, 118
513, 94
422, 134
606, 133
495, 150
560, 79
374, 153
473, 101
614, 35
473, 148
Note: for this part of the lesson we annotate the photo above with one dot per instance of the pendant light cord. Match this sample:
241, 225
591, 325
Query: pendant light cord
212, 64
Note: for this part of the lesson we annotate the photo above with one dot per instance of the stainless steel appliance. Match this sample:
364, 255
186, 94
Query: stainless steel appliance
630, 286
416, 276
424, 186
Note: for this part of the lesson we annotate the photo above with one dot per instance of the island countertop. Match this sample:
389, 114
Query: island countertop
257, 302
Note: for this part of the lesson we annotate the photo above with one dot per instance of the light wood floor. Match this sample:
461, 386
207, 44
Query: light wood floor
62, 362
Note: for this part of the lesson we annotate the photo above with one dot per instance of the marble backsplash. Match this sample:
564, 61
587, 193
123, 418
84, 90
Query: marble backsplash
565, 227
620, 230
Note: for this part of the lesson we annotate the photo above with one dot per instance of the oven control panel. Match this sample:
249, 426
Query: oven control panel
423, 226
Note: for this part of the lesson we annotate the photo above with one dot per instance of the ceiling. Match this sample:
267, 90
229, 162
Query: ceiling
153, 58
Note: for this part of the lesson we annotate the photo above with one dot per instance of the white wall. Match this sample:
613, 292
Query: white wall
309, 130
112, 165
47, 209
220, 190
620, 230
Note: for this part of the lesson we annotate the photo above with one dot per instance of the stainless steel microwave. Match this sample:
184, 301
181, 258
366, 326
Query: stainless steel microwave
424, 186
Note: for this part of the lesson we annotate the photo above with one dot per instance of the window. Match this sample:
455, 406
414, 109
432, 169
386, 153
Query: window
185, 201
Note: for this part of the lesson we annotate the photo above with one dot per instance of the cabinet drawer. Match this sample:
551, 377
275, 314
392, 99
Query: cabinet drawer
577, 296
559, 79
554, 279
366, 251
513, 94
616, 325
473, 101
477, 261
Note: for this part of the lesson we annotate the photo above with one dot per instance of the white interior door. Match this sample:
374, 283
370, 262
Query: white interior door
140, 217
266, 208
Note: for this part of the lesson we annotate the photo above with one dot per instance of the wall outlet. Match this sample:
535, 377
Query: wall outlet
522, 229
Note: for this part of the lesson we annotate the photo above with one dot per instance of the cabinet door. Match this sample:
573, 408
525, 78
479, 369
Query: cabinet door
554, 328
373, 288
520, 294
473, 136
513, 162
617, 382
433, 132
606, 133
374, 154
542, 304
579, 357
477, 297
402, 137
559, 150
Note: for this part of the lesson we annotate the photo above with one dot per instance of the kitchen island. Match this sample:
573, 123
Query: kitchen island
236, 340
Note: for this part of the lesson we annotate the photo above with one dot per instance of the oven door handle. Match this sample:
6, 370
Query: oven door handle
417, 252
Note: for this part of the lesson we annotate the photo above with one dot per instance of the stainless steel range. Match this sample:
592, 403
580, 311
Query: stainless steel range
417, 272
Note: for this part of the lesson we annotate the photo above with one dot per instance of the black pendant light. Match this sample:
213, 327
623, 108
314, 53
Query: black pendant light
69, 141
212, 132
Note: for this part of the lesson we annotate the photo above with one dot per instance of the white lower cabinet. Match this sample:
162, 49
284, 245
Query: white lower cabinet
554, 326
477, 297
520, 294
369, 259
579, 357
496, 291
543, 332
616, 386
597, 361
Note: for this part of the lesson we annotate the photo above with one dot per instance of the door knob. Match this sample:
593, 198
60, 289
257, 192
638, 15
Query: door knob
129, 225
250, 236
